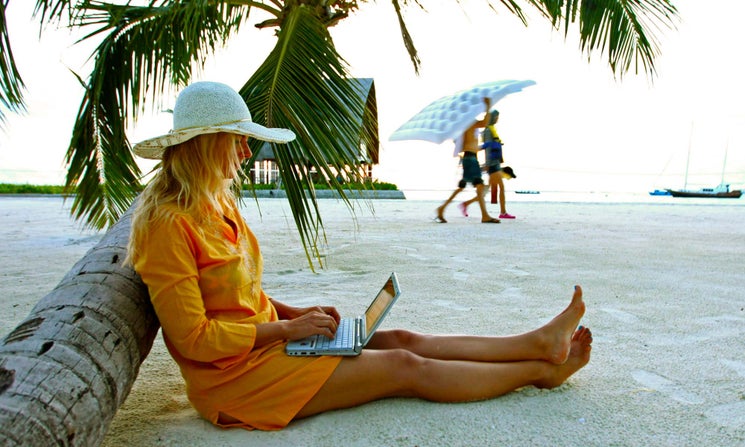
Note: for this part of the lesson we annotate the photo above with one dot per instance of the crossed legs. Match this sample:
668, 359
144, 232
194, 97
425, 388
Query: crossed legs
458, 368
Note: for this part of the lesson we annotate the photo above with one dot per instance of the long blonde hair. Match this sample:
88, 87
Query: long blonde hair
197, 177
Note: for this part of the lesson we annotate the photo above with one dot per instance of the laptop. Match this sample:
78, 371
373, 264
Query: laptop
353, 333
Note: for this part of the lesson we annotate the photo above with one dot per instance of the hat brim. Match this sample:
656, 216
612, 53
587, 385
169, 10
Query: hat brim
508, 173
153, 148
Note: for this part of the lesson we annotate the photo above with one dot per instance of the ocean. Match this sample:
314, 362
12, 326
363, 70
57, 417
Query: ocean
576, 196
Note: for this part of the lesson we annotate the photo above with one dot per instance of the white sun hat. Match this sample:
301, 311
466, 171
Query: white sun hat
209, 107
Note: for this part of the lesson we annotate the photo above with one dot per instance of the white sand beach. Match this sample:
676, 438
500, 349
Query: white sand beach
664, 285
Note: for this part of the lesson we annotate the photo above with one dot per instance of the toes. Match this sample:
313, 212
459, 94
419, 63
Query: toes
582, 334
586, 335
577, 293
578, 333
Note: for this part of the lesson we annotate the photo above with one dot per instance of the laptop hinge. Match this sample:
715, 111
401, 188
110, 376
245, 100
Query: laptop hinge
361, 330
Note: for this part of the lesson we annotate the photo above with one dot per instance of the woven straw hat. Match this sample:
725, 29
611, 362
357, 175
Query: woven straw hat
209, 107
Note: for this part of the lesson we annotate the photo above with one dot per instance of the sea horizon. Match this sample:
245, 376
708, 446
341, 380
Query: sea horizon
599, 197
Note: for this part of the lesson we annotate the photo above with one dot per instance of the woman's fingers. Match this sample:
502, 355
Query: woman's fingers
329, 322
316, 322
330, 310
322, 318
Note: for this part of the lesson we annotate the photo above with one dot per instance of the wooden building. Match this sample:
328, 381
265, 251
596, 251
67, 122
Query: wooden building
265, 171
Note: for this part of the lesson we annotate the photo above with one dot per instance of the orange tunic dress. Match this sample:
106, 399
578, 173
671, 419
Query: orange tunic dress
205, 285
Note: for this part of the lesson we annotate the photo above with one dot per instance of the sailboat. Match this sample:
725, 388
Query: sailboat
720, 191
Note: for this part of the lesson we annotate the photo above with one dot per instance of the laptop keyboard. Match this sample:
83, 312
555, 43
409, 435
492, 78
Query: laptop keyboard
343, 338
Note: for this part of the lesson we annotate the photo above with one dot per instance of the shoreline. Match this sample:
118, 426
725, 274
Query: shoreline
663, 287
598, 197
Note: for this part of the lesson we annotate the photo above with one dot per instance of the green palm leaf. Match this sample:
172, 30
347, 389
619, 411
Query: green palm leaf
304, 85
11, 84
53, 10
622, 28
144, 49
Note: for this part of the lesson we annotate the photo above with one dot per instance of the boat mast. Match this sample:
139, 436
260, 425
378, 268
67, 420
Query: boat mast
688, 160
724, 165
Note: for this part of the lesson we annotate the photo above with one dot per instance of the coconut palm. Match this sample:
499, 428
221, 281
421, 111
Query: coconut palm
146, 51
68, 366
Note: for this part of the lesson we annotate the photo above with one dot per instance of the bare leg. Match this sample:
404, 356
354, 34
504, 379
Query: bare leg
395, 372
485, 217
468, 202
441, 208
380, 373
550, 342
497, 183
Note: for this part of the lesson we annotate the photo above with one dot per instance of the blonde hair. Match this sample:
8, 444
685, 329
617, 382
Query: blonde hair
197, 178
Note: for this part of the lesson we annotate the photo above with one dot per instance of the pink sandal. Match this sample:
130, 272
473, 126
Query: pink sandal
463, 209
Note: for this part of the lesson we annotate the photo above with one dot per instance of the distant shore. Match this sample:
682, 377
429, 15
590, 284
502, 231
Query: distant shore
512, 196
272, 194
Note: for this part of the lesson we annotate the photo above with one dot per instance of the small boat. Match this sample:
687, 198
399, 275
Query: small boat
660, 192
721, 191
522, 191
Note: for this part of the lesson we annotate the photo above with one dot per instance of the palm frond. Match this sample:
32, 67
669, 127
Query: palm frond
408, 40
304, 85
144, 49
101, 169
11, 84
53, 10
626, 32
625, 29
515, 9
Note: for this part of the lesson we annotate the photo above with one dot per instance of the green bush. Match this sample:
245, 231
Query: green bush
11, 188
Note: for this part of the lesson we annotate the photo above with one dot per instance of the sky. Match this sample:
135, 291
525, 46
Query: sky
578, 129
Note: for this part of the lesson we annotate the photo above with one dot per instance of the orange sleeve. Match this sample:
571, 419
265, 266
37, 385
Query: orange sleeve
167, 263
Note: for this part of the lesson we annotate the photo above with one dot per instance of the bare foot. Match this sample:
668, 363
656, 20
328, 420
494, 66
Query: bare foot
440, 218
579, 356
557, 335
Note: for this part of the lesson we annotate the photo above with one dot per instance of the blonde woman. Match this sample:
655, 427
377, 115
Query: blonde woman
202, 266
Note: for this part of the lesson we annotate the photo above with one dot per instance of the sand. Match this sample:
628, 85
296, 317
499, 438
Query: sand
663, 285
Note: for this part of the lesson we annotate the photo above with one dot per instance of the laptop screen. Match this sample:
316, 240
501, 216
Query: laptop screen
380, 305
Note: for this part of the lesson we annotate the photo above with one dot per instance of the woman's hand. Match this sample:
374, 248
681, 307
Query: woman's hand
316, 321
287, 312
301, 322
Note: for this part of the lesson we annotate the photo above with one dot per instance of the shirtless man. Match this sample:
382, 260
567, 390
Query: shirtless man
471, 169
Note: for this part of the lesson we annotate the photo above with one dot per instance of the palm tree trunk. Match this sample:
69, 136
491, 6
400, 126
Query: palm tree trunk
66, 369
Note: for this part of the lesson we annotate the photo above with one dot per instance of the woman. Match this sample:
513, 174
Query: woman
203, 268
